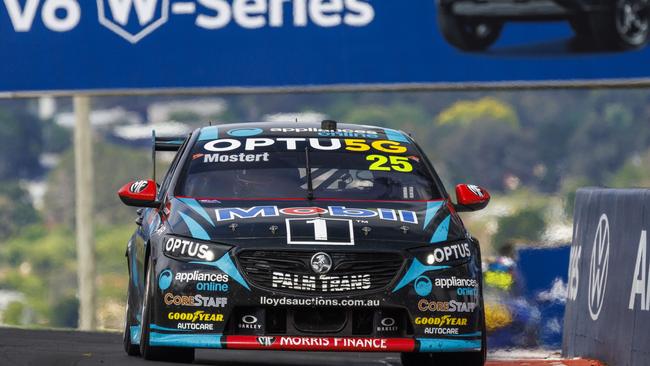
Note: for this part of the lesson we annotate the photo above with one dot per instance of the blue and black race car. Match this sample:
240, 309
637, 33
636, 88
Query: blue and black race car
305, 237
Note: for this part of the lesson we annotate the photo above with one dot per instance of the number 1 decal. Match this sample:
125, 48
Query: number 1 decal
320, 229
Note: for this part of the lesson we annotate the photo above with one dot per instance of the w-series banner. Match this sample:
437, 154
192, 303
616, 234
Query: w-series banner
608, 306
97, 45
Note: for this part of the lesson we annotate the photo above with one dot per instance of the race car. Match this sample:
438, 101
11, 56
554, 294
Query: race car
474, 25
303, 237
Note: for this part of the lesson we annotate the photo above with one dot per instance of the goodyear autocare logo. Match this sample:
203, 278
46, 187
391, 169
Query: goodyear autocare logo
598, 268
134, 20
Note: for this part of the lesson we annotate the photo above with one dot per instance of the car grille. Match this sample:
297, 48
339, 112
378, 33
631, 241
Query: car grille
262, 268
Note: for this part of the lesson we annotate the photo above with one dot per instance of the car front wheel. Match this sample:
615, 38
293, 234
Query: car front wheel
130, 348
170, 354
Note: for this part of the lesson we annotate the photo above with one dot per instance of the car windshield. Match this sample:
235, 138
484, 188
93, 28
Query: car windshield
276, 167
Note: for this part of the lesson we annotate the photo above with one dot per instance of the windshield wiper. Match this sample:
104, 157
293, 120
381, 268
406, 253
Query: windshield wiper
310, 187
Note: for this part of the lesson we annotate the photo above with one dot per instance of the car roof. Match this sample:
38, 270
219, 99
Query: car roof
299, 129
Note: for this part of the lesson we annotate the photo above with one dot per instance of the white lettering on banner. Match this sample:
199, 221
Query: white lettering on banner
145, 10
598, 268
116, 15
640, 280
574, 272
22, 19
255, 14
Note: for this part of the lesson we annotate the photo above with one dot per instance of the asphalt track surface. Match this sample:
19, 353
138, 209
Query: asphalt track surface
66, 348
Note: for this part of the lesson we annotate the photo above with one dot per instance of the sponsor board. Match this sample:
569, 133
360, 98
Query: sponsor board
441, 321
195, 300
598, 268
234, 158
455, 282
340, 132
317, 301
232, 213
185, 277
195, 326
640, 283
138, 186
387, 324
467, 291
448, 253
446, 306
197, 316
249, 322
185, 248
322, 283
292, 144
212, 287
441, 331
321, 343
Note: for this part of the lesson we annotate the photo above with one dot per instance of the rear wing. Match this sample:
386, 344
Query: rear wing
164, 144
167, 143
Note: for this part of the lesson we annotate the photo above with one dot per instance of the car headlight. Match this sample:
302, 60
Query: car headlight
451, 254
192, 250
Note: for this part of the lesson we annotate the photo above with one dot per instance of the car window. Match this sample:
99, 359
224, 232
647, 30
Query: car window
276, 167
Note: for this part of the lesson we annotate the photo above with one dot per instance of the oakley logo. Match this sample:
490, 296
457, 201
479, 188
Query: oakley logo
249, 319
598, 268
388, 322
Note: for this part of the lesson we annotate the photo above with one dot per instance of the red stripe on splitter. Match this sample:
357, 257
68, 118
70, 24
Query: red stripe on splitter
287, 343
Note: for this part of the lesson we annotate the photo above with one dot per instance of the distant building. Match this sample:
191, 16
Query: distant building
101, 118
140, 135
295, 117
202, 109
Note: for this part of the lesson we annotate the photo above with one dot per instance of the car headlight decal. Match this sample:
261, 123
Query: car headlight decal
416, 269
227, 266
187, 249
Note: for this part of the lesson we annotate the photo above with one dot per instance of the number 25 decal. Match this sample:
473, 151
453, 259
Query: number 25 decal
388, 163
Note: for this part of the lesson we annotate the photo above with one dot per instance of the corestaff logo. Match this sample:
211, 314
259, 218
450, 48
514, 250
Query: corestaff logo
598, 268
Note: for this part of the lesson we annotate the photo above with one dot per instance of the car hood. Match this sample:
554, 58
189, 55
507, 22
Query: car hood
263, 223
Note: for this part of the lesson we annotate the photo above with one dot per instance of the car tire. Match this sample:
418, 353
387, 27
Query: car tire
130, 348
169, 354
467, 34
625, 26
417, 359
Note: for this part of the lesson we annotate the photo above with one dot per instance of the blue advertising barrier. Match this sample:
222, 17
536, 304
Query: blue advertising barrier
607, 312
87, 45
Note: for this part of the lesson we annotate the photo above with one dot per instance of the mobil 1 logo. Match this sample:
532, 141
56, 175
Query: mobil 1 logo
319, 231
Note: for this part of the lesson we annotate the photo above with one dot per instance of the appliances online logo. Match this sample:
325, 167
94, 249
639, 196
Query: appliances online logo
133, 20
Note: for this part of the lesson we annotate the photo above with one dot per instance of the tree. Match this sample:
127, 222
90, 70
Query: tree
16, 210
20, 145
113, 166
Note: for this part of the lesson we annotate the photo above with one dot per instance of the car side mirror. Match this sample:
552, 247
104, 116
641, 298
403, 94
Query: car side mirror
471, 198
141, 193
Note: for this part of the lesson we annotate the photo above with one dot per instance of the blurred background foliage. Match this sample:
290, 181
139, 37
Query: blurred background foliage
531, 149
